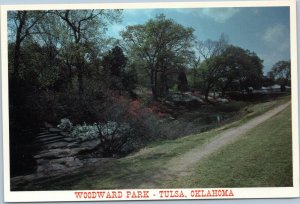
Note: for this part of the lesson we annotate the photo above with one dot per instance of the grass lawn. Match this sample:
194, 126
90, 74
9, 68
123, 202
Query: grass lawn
261, 158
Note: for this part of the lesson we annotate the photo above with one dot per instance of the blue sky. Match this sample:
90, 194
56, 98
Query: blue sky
264, 30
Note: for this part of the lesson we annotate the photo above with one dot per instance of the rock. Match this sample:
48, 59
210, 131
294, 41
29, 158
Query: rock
58, 153
42, 161
90, 144
57, 145
50, 167
56, 167
222, 100
69, 139
68, 162
184, 99
72, 145
65, 134
53, 129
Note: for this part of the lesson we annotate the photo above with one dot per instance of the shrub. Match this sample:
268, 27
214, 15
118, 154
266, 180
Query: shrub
103, 131
65, 125
85, 132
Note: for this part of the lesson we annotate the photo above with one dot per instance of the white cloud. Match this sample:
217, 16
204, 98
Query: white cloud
219, 15
274, 33
277, 45
277, 36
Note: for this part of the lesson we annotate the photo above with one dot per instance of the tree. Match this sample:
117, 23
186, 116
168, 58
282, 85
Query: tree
225, 65
281, 71
210, 69
84, 28
251, 74
114, 63
21, 24
242, 66
182, 81
163, 45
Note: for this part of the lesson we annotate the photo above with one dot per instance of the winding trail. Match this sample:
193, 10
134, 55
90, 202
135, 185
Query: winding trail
184, 164
180, 165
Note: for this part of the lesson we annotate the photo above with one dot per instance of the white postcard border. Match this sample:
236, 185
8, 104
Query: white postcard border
270, 192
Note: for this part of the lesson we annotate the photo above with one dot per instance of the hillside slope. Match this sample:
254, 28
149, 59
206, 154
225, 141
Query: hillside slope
199, 160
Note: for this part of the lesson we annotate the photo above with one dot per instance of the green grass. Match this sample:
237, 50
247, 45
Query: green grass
261, 158
254, 110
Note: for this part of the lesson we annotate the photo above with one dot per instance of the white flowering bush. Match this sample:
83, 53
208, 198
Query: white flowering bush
65, 124
85, 132
105, 131
111, 127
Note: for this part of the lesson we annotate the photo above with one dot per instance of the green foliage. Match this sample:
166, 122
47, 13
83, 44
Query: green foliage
65, 124
103, 131
232, 68
85, 132
118, 75
182, 81
115, 61
162, 46
281, 72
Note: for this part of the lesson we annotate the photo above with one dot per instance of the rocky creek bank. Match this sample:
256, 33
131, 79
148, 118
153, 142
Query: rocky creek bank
58, 155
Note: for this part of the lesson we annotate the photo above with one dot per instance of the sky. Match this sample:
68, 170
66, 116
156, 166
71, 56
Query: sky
263, 30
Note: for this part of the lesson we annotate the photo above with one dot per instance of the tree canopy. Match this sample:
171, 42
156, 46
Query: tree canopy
281, 72
163, 45
228, 65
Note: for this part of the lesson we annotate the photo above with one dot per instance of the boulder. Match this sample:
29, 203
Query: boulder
69, 139
68, 162
53, 129
65, 134
56, 145
185, 99
222, 100
73, 145
90, 144
58, 153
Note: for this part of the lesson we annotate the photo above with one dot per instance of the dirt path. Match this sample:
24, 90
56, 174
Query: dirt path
184, 164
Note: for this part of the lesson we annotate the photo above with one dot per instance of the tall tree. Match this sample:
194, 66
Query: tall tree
210, 68
163, 45
281, 71
114, 63
22, 23
242, 66
231, 64
84, 28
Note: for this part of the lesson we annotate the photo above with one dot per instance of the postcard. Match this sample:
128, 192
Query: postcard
150, 101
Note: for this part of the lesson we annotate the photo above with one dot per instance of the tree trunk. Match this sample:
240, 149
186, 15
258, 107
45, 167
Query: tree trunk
224, 89
152, 82
19, 39
208, 87
16, 59
80, 82
206, 93
155, 84
164, 84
